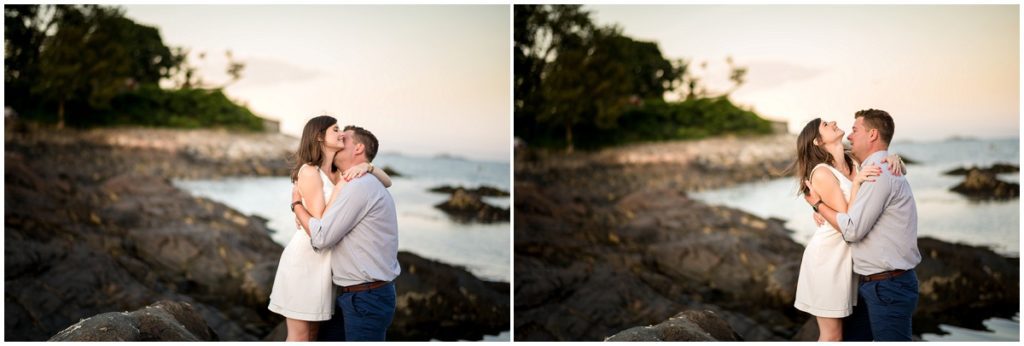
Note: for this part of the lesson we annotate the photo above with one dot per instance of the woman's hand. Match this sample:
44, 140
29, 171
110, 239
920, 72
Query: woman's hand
896, 165
866, 173
819, 220
356, 171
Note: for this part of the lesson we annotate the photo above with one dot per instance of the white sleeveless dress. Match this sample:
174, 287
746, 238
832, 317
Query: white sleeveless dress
303, 288
827, 286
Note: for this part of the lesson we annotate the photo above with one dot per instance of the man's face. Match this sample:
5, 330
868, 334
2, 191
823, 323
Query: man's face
860, 142
347, 152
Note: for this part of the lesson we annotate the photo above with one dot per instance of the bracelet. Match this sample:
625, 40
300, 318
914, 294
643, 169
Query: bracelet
371, 169
294, 204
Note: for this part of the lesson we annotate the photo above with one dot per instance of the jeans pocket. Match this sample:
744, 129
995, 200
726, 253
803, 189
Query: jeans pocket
357, 303
884, 292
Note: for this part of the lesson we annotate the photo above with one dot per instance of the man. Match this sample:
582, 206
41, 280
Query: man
362, 227
881, 228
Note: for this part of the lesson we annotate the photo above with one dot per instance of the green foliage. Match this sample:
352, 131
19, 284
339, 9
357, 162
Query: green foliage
577, 83
102, 68
183, 108
657, 120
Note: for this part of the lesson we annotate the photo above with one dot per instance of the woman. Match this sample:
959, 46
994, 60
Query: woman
303, 292
827, 287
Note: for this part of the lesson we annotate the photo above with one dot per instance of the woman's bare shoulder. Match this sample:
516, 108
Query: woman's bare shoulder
820, 177
309, 173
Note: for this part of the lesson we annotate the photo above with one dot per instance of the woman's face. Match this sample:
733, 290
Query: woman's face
332, 138
830, 132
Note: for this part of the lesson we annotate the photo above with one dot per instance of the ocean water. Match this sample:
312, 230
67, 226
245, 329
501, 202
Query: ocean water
942, 214
483, 249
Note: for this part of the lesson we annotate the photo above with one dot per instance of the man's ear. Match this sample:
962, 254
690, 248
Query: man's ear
873, 134
359, 149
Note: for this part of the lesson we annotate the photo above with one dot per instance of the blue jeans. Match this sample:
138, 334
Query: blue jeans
884, 310
361, 316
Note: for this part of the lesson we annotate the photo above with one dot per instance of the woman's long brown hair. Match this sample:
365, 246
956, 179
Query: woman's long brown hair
310, 151
809, 155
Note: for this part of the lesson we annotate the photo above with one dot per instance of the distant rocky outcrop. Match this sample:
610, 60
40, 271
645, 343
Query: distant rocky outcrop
984, 185
163, 321
686, 326
392, 172
485, 191
467, 205
998, 168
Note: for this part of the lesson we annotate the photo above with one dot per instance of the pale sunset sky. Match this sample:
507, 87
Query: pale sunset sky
939, 70
426, 80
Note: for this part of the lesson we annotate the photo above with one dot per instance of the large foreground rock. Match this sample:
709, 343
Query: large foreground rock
163, 321
686, 326
648, 256
76, 247
440, 301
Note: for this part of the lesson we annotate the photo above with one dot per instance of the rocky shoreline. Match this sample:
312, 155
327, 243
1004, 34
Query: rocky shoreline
604, 244
94, 226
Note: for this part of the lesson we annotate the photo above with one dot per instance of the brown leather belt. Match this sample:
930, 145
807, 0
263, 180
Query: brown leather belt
363, 287
882, 276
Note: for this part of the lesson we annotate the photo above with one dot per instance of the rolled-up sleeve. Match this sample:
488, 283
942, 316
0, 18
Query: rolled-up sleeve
867, 208
340, 218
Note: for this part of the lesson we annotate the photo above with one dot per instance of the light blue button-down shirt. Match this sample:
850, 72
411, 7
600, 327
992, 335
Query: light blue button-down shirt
362, 228
881, 225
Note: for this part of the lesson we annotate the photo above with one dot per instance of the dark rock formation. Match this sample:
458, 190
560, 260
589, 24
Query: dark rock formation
686, 326
641, 260
79, 245
163, 321
963, 285
466, 206
391, 172
484, 191
983, 185
998, 168
439, 301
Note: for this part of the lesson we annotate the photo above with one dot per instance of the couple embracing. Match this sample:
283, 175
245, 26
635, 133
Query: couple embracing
339, 266
857, 274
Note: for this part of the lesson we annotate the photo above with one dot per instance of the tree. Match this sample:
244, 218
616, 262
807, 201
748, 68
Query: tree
737, 74
570, 72
82, 55
541, 32
25, 28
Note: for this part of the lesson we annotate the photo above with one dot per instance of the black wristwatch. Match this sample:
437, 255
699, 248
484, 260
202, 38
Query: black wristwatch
815, 206
294, 204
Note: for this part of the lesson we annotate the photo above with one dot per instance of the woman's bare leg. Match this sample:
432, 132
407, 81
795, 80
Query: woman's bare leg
298, 330
314, 329
830, 329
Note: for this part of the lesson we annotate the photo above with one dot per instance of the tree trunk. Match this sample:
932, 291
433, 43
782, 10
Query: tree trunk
60, 114
568, 137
